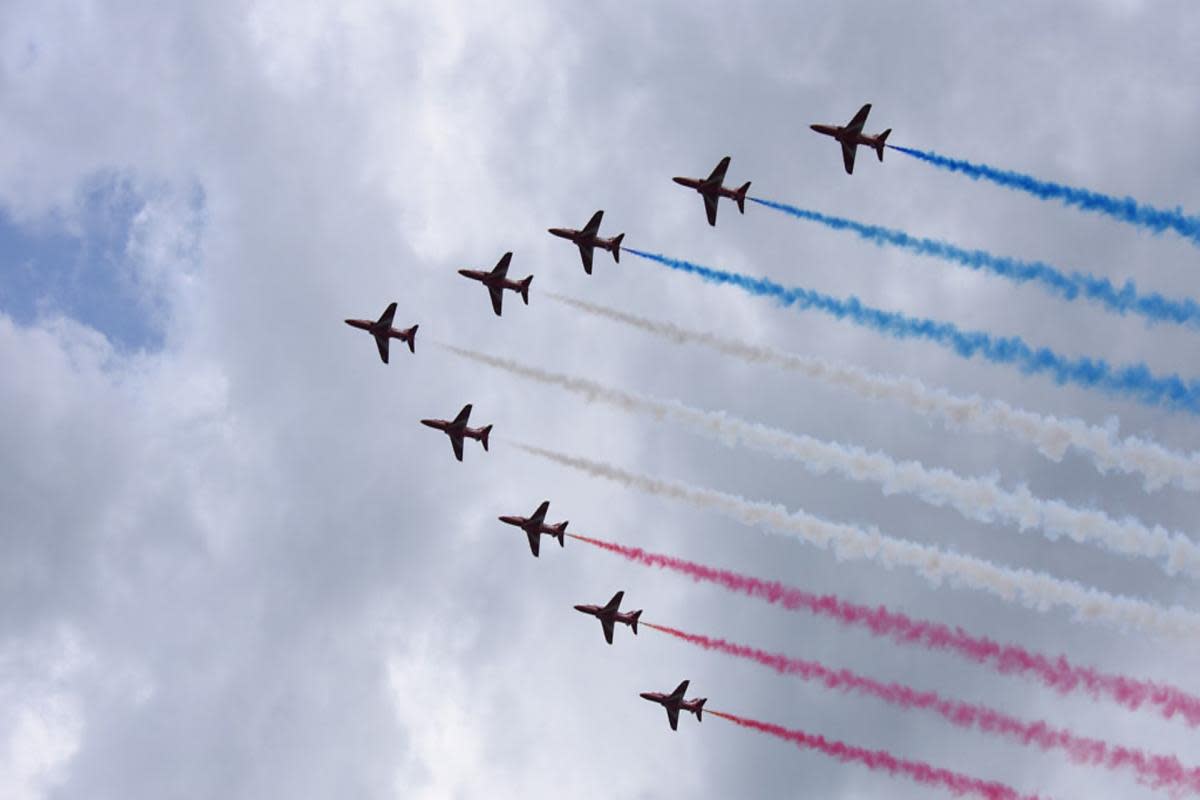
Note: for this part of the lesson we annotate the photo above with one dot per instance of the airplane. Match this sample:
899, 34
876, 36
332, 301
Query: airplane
497, 281
535, 526
608, 615
457, 430
588, 238
674, 701
712, 190
383, 331
851, 136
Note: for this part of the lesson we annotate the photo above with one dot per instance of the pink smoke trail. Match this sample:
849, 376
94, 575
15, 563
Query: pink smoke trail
881, 760
1055, 672
1156, 771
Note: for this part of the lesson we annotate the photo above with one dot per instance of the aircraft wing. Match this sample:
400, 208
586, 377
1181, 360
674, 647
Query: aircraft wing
615, 603
539, 516
607, 624
673, 717
535, 540
457, 443
593, 226
585, 252
501, 268
848, 151
381, 341
710, 208
463, 415
860, 119
718, 174
388, 315
497, 298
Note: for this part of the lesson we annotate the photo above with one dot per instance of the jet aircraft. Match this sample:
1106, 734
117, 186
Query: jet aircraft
383, 331
534, 526
674, 701
589, 238
497, 281
608, 615
711, 190
851, 136
457, 430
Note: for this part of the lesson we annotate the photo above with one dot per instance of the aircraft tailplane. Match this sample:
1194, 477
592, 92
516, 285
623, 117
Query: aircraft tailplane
616, 247
740, 197
412, 338
879, 143
525, 289
634, 621
559, 533
699, 709
484, 432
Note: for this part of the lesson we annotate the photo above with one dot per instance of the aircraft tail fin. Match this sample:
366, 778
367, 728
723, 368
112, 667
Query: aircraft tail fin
525, 289
560, 531
634, 621
740, 197
412, 338
616, 247
698, 710
484, 432
879, 143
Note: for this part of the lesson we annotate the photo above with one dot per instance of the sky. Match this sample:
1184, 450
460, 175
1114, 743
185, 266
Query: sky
233, 564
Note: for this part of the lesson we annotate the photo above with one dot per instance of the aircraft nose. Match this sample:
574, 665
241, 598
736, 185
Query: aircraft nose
680, 181
464, 273
429, 423
581, 608
646, 696
816, 128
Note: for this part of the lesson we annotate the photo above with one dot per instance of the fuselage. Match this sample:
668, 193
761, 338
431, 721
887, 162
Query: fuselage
375, 329
625, 617
579, 237
530, 526
704, 187
846, 135
449, 427
667, 701
490, 280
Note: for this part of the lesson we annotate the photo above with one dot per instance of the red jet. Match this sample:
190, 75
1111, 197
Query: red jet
383, 331
497, 281
712, 190
457, 430
851, 136
674, 701
588, 238
535, 526
609, 615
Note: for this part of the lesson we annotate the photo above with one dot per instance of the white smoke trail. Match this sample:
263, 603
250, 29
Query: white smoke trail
1034, 590
1051, 435
981, 499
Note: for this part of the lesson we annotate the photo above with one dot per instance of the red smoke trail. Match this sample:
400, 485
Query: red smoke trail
1159, 772
919, 771
1056, 672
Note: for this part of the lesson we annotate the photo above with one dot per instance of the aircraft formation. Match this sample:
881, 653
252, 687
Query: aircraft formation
1157, 770
588, 239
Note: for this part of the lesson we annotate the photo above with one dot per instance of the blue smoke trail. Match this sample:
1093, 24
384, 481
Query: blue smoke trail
1125, 209
1133, 380
1154, 306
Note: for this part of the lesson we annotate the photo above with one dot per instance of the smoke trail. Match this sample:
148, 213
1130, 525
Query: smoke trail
1125, 209
1032, 589
1050, 435
881, 760
1133, 380
1156, 771
1054, 672
1122, 300
981, 499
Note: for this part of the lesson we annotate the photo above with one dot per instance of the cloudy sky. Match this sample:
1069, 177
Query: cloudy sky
232, 564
